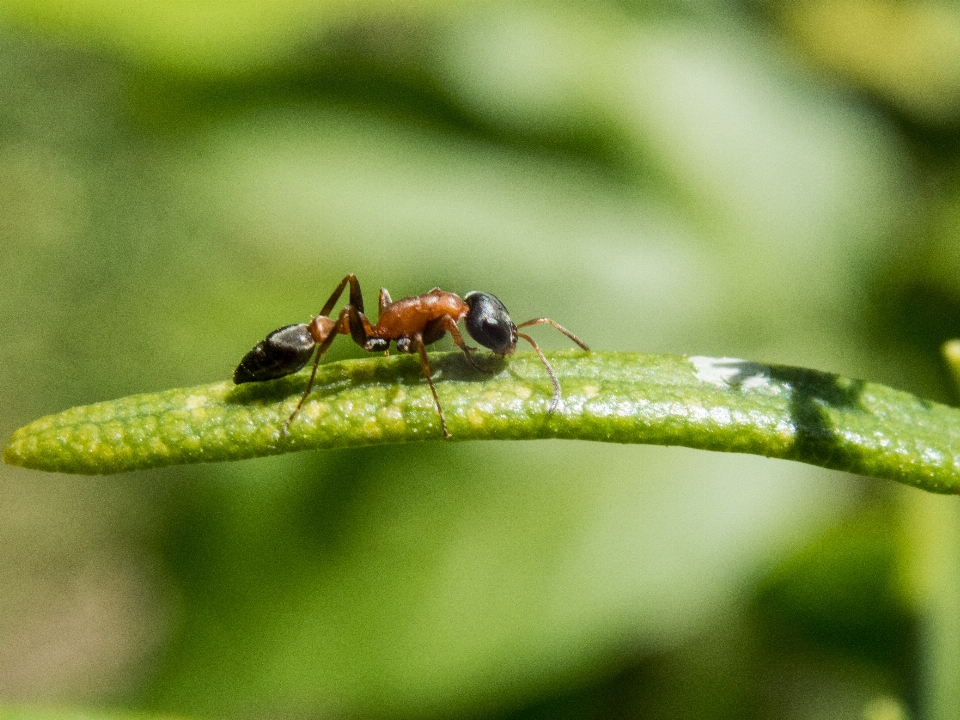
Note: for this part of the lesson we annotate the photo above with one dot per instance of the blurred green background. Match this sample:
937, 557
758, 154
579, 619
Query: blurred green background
769, 180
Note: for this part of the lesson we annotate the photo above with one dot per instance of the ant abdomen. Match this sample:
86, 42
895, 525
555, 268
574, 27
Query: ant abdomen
281, 353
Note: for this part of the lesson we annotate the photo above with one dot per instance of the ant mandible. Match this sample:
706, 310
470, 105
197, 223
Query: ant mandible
412, 323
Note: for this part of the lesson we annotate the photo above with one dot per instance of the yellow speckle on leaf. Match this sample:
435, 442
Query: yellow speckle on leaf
313, 411
371, 428
193, 402
391, 419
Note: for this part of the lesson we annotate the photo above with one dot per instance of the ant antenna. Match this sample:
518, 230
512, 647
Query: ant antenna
553, 378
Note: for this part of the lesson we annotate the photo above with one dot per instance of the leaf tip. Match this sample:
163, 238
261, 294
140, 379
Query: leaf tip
14, 452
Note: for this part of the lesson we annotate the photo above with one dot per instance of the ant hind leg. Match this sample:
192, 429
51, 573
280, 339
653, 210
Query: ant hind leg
338, 328
356, 297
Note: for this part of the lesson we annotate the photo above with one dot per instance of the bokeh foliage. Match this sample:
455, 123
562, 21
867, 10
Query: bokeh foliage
757, 180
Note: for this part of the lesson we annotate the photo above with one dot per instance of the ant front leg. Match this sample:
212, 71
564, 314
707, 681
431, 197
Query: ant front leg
448, 324
417, 341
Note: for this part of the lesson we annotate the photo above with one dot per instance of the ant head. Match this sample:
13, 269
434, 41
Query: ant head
489, 323
281, 353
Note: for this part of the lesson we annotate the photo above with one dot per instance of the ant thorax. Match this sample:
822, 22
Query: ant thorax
407, 316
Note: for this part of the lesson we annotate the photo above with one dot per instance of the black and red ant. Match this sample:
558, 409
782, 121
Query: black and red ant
412, 323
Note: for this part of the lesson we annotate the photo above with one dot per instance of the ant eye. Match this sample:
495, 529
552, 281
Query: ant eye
281, 353
489, 323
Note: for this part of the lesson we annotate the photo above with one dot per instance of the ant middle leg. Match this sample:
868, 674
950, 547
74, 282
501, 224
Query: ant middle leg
362, 332
384, 300
417, 342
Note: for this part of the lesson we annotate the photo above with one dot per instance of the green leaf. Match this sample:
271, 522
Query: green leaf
41, 713
709, 403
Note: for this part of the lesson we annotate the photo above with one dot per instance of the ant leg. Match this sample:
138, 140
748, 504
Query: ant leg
338, 328
362, 331
356, 297
558, 326
425, 366
449, 325
553, 377
384, 300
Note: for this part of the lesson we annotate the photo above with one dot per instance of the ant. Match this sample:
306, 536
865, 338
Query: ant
412, 323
